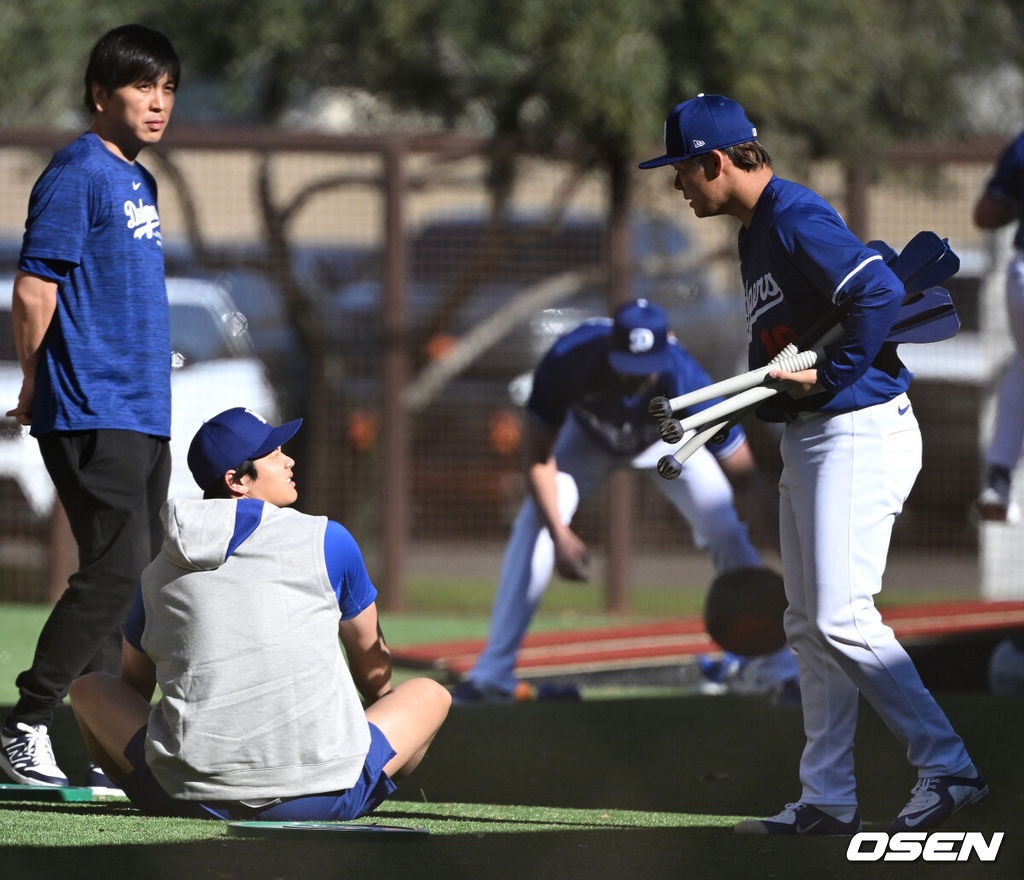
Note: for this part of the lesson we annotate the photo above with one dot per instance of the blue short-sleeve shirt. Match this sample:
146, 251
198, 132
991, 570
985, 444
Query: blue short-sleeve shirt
106, 359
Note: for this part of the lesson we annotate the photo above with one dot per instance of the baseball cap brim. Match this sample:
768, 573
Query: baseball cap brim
277, 437
661, 160
639, 364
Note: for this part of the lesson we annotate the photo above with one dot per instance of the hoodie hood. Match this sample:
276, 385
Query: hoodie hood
202, 534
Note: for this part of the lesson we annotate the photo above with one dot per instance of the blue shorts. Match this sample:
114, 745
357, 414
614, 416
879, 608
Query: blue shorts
369, 791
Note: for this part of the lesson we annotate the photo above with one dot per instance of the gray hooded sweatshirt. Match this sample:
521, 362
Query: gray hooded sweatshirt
242, 625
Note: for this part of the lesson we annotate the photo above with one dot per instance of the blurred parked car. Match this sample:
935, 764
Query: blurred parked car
214, 367
242, 270
460, 272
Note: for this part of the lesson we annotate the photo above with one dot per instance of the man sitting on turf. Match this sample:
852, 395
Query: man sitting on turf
238, 621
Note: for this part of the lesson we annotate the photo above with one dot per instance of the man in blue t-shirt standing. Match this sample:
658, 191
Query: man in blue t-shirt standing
92, 333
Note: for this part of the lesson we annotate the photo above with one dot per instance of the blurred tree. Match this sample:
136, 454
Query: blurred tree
603, 73
846, 78
44, 47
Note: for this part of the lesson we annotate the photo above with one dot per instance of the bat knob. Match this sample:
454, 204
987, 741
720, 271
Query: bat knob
669, 468
659, 409
671, 431
719, 437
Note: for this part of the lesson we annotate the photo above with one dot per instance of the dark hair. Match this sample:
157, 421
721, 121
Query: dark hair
220, 490
747, 157
129, 54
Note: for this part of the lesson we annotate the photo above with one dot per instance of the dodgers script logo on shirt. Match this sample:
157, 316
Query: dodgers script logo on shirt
761, 296
142, 219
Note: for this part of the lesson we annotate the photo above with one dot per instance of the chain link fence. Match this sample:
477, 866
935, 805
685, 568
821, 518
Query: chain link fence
334, 252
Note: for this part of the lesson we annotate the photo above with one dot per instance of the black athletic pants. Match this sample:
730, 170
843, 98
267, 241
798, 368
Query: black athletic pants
112, 484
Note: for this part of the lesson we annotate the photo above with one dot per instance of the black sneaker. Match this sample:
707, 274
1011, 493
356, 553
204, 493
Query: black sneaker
100, 783
935, 798
26, 755
800, 819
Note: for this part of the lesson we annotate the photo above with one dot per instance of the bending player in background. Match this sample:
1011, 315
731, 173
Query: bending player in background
1001, 204
851, 451
587, 415
238, 621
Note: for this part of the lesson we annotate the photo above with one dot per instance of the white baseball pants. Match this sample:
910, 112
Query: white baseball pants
1007, 440
844, 481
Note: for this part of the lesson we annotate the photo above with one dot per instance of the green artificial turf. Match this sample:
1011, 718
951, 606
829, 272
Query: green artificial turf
617, 788
631, 785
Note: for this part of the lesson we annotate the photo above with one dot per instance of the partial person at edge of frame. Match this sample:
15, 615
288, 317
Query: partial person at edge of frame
1001, 204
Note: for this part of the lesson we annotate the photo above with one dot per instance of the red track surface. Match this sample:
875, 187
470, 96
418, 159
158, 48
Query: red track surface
672, 641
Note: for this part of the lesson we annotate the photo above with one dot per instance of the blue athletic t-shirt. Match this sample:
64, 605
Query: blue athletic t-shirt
798, 259
1007, 183
345, 569
575, 376
106, 358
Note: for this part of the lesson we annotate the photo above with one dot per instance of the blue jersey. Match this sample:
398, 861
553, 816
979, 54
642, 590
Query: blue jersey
1007, 184
93, 228
345, 569
798, 259
575, 376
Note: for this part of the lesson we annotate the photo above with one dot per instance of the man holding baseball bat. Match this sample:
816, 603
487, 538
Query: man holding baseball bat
851, 451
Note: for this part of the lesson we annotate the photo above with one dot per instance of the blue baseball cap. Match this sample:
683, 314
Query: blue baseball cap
231, 437
639, 342
700, 125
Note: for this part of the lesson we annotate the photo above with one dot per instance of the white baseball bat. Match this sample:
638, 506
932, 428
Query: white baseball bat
788, 359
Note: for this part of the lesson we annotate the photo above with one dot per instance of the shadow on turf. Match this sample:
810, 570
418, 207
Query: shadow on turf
704, 756
656, 853
696, 854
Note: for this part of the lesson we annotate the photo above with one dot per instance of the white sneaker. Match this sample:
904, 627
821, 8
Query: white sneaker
26, 755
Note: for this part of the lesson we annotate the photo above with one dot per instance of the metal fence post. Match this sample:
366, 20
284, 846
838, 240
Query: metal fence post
620, 510
396, 493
